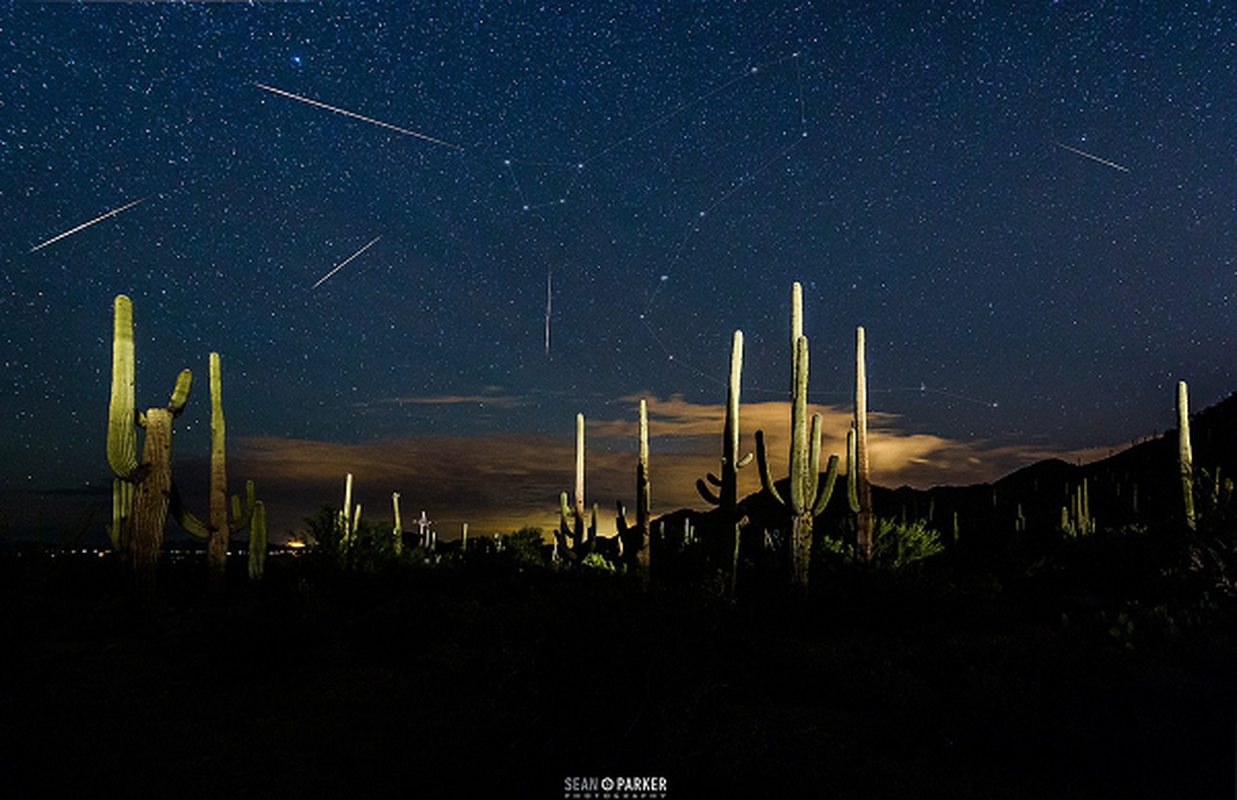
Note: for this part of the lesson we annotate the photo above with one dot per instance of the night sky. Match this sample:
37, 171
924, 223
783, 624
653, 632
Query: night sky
1032, 213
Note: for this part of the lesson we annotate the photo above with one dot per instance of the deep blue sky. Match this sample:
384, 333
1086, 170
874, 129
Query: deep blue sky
910, 167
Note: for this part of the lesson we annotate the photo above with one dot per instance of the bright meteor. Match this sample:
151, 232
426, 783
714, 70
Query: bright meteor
1085, 154
99, 218
344, 263
354, 115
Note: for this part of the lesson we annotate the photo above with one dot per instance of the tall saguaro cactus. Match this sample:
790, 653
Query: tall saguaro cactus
142, 489
575, 535
1185, 454
727, 497
809, 490
217, 541
863, 487
634, 541
219, 526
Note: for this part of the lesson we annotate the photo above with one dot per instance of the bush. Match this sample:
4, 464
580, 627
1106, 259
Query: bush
525, 547
895, 544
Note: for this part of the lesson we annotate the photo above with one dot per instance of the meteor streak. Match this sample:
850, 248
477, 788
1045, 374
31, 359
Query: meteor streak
344, 263
100, 218
354, 115
1093, 158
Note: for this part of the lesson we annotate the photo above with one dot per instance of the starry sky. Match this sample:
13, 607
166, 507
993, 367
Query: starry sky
1031, 212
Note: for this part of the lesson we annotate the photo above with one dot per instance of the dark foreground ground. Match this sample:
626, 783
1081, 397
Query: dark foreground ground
486, 680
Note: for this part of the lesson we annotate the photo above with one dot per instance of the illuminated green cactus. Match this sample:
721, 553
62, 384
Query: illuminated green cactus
219, 527
809, 490
634, 541
257, 542
1185, 453
141, 489
863, 488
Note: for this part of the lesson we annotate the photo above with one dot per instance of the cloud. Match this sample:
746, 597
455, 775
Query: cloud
500, 482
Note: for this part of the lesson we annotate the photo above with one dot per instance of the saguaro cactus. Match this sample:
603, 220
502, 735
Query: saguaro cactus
863, 487
578, 537
219, 526
257, 542
809, 491
143, 488
1185, 454
634, 541
397, 532
727, 497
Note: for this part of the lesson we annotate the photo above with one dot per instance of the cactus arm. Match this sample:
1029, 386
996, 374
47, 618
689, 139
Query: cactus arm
242, 515
762, 461
713, 479
121, 414
706, 493
811, 481
743, 462
180, 394
825, 490
185, 518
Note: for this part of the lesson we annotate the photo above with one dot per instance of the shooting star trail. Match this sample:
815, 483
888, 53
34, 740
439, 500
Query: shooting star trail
354, 115
548, 278
100, 218
344, 263
1085, 154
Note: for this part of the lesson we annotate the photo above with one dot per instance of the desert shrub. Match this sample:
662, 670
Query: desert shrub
525, 547
895, 544
597, 561
372, 546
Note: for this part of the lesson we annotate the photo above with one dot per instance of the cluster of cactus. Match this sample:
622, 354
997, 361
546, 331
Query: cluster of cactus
727, 496
809, 490
140, 489
1076, 519
143, 492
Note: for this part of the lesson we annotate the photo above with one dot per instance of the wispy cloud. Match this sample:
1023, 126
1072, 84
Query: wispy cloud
499, 482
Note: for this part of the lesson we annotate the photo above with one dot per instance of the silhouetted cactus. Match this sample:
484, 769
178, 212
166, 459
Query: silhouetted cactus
809, 490
141, 489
